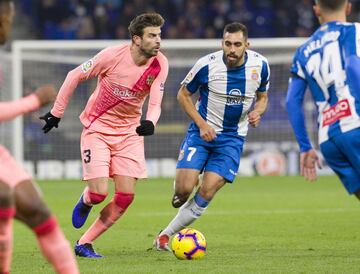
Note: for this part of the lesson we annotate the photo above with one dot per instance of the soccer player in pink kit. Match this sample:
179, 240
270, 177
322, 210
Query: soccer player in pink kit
19, 196
112, 142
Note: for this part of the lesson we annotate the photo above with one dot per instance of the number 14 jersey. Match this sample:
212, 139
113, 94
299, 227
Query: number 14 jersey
322, 61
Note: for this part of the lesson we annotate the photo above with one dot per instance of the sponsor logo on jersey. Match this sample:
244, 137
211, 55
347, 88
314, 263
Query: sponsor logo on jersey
126, 93
150, 79
340, 110
234, 97
254, 75
86, 66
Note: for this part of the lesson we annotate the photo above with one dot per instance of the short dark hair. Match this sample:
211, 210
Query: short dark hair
235, 27
331, 5
140, 22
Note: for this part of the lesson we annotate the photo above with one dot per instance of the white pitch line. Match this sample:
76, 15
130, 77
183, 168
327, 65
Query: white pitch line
256, 212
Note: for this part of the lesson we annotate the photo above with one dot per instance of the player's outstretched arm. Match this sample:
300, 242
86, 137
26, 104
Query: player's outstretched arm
41, 97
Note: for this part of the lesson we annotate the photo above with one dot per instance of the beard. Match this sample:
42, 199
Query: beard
148, 53
232, 60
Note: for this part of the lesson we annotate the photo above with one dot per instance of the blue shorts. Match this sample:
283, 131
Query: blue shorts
342, 153
221, 156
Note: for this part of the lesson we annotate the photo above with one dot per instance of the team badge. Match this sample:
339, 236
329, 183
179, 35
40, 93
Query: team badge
150, 79
85, 67
254, 75
181, 155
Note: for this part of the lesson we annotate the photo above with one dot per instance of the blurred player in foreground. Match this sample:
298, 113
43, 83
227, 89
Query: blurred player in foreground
18, 194
112, 142
329, 64
229, 81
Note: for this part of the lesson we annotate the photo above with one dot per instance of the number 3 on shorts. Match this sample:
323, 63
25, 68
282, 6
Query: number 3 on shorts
87, 156
191, 153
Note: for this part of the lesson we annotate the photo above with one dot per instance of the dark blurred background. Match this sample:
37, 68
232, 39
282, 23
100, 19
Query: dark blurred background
108, 19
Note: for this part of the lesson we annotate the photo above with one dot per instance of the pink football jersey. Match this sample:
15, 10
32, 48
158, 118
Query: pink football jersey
116, 104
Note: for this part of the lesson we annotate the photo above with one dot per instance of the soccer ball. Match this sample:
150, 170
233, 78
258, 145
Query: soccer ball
188, 244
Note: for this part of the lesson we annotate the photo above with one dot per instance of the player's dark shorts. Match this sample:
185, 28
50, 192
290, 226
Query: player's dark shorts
342, 153
221, 156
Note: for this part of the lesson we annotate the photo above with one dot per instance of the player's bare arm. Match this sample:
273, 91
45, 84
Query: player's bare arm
207, 133
254, 116
41, 97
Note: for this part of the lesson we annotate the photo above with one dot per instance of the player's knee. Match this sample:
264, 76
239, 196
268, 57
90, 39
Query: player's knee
207, 193
6, 197
96, 198
34, 214
46, 226
123, 200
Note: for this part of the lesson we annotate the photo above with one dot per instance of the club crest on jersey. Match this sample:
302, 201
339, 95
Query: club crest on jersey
254, 75
181, 155
150, 79
86, 66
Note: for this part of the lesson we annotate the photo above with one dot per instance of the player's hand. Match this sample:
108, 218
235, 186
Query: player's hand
146, 128
51, 121
207, 133
309, 160
46, 94
254, 118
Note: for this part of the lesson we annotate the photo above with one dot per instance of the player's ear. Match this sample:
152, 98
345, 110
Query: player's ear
348, 8
137, 40
317, 11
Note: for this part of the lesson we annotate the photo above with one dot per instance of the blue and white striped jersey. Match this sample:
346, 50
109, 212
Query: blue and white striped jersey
226, 94
321, 62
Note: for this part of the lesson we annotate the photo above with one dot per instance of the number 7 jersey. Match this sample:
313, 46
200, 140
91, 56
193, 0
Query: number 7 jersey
322, 62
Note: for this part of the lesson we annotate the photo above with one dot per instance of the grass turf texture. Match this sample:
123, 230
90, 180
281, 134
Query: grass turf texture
256, 225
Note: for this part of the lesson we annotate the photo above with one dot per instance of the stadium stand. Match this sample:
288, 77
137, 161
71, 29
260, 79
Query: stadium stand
108, 19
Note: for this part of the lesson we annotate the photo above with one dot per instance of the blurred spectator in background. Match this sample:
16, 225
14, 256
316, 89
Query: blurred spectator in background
107, 19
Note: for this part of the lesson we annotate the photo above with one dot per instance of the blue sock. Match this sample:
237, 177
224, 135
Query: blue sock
200, 201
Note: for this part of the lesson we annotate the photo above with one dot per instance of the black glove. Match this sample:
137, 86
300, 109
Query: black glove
146, 128
51, 121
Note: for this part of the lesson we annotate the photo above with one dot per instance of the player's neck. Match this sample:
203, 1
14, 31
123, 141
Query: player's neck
138, 58
338, 17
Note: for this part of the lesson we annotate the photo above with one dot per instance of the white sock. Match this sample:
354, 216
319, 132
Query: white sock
187, 214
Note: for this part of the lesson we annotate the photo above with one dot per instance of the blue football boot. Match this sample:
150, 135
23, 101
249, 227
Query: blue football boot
86, 250
80, 213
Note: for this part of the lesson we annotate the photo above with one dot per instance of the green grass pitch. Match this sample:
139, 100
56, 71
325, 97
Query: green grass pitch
256, 225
